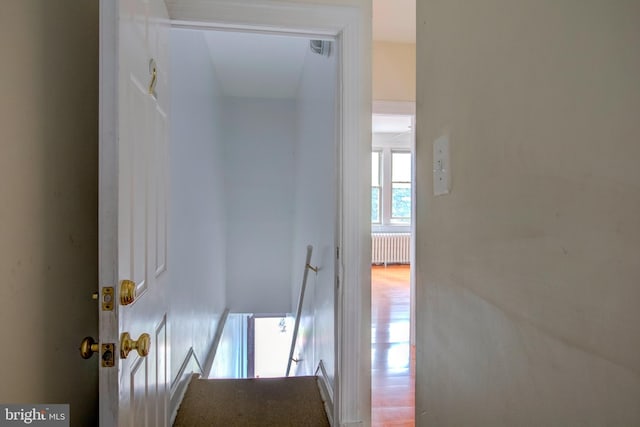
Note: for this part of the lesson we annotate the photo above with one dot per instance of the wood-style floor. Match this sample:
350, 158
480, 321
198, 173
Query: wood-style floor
392, 356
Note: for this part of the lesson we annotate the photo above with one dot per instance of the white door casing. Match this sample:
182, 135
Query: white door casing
349, 23
134, 37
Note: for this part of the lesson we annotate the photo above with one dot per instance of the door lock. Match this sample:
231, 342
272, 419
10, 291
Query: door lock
88, 346
107, 298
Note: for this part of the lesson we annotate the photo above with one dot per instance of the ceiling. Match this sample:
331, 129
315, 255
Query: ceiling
269, 66
391, 123
257, 65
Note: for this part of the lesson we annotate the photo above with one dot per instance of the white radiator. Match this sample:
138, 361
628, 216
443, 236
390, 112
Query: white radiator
390, 248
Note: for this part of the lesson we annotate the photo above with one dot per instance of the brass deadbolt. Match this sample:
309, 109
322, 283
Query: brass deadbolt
141, 345
127, 292
88, 346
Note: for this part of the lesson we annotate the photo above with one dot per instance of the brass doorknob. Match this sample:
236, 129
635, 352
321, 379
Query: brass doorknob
127, 292
141, 345
88, 346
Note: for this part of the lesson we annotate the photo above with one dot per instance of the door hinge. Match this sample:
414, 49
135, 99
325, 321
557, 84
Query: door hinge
337, 252
108, 359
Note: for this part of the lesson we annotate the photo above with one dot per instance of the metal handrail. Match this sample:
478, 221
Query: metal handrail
307, 267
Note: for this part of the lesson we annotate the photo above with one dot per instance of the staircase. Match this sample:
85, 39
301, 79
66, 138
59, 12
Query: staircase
281, 402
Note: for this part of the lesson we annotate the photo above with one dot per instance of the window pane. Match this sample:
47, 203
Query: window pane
375, 168
401, 201
400, 166
375, 204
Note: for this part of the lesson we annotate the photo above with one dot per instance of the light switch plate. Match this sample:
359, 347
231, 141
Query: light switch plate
441, 166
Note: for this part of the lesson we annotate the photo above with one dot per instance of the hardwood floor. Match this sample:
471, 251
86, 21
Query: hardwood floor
392, 356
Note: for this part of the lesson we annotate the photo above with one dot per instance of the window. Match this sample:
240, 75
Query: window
391, 172
391, 187
375, 187
401, 186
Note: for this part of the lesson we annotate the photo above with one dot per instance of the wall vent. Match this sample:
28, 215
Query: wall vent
321, 47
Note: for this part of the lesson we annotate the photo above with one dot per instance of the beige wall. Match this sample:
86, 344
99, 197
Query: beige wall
394, 71
48, 208
529, 271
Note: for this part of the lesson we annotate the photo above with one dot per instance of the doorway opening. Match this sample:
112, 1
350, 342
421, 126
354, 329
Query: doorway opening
255, 126
253, 346
271, 339
392, 284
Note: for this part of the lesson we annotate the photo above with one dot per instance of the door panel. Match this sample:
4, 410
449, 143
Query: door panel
138, 399
132, 210
161, 183
133, 169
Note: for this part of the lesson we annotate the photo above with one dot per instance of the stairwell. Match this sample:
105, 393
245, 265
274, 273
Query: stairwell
281, 402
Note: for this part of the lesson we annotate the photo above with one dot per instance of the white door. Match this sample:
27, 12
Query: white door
134, 37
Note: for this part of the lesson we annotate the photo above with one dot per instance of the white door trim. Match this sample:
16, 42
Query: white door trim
350, 25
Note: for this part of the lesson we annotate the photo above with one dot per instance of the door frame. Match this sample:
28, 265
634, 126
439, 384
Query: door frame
350, 26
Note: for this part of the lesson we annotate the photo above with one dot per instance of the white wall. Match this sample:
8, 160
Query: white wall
529, 272
48, 212
197, 257
393, 71
314, 219
259, 137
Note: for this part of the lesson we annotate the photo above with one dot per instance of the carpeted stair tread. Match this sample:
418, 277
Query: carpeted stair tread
281, 402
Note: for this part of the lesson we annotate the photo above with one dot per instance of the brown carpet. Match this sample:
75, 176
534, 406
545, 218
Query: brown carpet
281, 402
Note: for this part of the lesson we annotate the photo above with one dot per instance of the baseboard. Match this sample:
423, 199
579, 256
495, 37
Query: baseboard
190, 368
326, 391
208, 363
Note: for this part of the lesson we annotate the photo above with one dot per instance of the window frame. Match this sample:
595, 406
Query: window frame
394, 219
379, 186
386, 144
